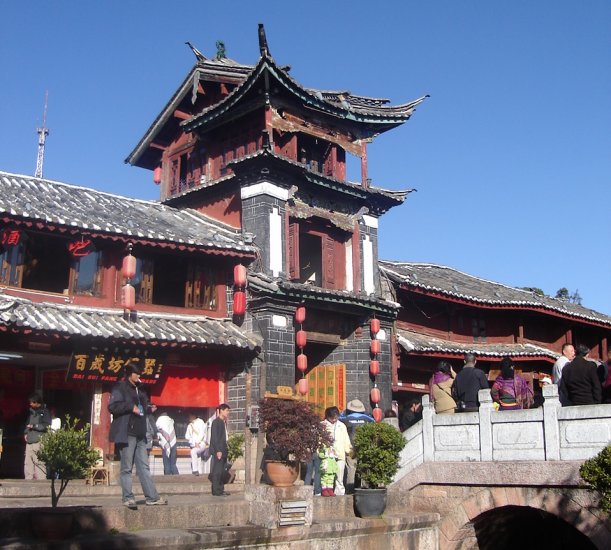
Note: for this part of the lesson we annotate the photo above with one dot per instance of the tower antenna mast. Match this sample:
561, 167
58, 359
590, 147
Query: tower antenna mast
43, 132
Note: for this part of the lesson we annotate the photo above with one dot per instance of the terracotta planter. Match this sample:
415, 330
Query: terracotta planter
369, 503
282, 474
52, 524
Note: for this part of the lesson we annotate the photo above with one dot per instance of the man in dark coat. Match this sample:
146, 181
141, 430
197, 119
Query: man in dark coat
218, 450
129, 406
39, 421
579, 384
467, 384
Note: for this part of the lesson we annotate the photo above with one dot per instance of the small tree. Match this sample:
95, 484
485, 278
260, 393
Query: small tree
293, 429
596, 472
377, 446
235, 446
67, 455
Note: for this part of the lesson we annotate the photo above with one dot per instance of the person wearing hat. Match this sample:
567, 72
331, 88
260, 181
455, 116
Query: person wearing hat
353, 417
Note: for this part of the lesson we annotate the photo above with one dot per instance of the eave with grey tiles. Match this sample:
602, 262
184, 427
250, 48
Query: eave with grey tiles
74, 209
20, 314
416, 342
446, 281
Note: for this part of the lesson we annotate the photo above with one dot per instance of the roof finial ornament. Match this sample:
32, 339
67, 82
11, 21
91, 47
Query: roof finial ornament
199, 55
220, 50
263, 41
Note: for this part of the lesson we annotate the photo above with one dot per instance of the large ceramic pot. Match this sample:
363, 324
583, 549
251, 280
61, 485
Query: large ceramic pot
282, 474
369, 503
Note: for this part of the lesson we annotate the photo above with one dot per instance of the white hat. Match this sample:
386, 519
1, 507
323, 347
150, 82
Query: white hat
356, 405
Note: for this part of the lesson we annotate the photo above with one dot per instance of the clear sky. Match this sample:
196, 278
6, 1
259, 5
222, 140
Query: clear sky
510, 155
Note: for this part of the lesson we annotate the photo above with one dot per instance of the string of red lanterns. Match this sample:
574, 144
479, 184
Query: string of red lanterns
374, 369
239, 290
301, 339
128, 270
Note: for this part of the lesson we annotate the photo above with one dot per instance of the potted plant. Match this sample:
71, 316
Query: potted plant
235, 450
294, 432
377, 446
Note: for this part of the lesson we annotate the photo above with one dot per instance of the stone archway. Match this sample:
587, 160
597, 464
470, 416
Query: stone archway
574, 508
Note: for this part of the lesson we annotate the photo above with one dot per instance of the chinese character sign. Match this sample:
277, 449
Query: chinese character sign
108, 365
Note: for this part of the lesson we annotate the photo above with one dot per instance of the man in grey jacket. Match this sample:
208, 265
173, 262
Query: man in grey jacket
39, 422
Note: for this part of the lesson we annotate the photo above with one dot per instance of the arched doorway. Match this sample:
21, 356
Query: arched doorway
523, 527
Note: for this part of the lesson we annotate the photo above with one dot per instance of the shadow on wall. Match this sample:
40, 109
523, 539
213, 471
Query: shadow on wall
511, 527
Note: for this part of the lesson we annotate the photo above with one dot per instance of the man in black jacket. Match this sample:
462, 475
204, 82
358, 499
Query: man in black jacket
218, 450
467, 384
39, 422
579, 384
129, 406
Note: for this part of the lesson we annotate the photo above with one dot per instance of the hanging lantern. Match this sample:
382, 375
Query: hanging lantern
128, 297
301, 338
300, 314
303, 386
128, 269
239, 302
374, 395
374, 325
378, 414
302, 362
374, 367
375, 346
157, 175
239, 275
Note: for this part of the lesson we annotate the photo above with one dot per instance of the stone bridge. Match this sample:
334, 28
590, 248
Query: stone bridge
506, 479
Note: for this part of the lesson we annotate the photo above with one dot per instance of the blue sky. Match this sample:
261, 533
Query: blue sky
510, 155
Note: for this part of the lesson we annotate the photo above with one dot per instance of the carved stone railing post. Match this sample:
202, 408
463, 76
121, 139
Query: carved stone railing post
551, 429
428, 442
485, 425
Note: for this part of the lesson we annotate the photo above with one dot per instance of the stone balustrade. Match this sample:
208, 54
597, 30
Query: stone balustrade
551, 432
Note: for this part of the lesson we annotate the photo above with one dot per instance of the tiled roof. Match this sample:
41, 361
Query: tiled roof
423, 343
453, 283
34, 199
346, 105
71, 320
303, 291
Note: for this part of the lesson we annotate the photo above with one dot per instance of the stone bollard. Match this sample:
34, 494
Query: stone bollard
274, 507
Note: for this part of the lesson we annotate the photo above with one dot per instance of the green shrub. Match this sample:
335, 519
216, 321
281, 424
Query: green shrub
67, 454
377, 446
596, 472
235, 446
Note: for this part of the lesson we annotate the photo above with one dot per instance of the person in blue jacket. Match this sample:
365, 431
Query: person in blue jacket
353, 417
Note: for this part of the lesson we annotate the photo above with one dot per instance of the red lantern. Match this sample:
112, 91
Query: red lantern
374, 367
303, 386
128, 269
301, 338
374, 395
128, 297
157, 175
300, 314
374, 325
375, 346
378, 414
302, 362
239, 302
239, 275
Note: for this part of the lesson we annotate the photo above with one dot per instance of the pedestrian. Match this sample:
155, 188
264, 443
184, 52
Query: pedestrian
167, 440
467, 384
354, 416
510, 390
218, 450
39, 421
580, 384
440, 386
412, 413
129, 406
341, 446
196, 436
568, 354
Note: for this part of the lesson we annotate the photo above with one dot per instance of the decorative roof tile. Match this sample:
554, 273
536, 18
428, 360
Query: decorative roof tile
453, 283
423, 343
70, 320
36, 199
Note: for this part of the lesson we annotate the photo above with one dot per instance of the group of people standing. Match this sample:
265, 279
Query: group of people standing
580, 380
332, 470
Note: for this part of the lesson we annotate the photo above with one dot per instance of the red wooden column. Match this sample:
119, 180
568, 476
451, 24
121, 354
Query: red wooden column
364, 170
